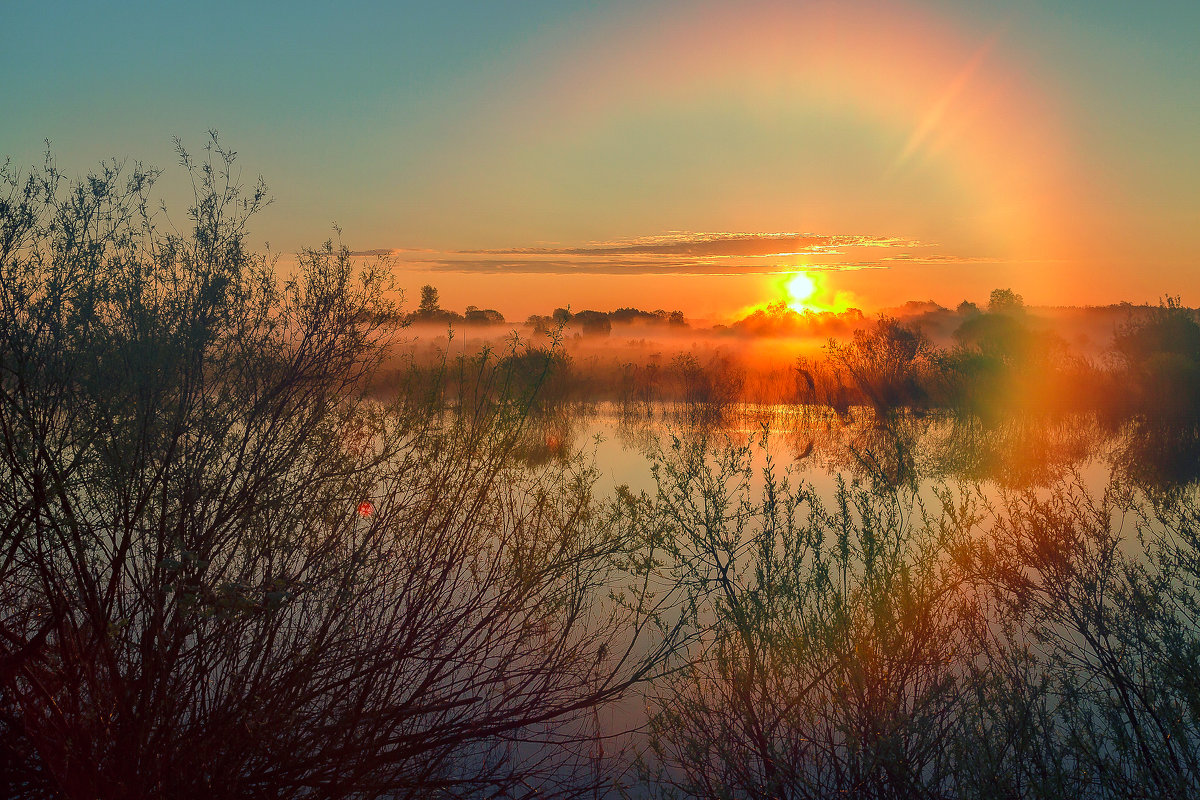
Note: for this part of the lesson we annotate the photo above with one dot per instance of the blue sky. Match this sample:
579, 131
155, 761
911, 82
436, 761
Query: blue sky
453, 126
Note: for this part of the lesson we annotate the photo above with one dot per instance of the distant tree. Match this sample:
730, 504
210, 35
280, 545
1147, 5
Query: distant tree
966, 308
540, 324
1004, 337
429, 301
593, 322
625, 316
483, 316
1003, 301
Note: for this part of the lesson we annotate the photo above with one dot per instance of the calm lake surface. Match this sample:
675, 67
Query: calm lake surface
815, 445
908, 458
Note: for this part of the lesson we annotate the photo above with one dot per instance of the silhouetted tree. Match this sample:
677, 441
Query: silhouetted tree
593, 322
429, 301
540, 324
483, 316
1005, 301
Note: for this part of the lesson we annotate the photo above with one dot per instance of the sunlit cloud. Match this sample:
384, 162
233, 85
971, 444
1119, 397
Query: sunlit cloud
944, 258
714, 245
677, 252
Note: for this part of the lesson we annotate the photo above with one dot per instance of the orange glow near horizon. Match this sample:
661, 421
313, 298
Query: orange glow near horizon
913, 156
970, 158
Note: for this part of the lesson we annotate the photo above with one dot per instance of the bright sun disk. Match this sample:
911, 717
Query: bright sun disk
800, 287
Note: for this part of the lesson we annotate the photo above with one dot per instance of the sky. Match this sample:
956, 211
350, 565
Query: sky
693, 155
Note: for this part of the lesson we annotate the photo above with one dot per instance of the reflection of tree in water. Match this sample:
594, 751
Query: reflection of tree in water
1017, 451
858, 445
639, 434
1157, 457
904, 448
549, 437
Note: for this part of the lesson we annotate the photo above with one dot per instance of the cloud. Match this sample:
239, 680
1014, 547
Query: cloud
618, 267
391, 251
681, 253
942, 258
713, 245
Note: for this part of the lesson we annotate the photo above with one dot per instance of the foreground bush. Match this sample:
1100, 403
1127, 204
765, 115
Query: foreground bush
895, 642
226, 571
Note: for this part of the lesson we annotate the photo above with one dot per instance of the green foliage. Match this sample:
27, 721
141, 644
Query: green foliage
941, 642
831, 653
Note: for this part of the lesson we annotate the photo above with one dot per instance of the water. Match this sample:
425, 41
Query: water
1050, 479
814, 445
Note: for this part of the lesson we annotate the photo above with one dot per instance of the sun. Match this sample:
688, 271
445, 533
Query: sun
800, 288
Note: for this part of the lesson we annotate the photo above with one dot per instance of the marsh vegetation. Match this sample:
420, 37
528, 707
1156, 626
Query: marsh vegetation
250, 548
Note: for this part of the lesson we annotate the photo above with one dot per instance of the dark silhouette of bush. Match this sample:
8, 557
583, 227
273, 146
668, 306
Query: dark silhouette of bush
592, 323
626, 316
228, 571
1004, 363
541, 376
705, 392
482, 316
540, 325
638, 389
887, 364
1157, 385
1159, 355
